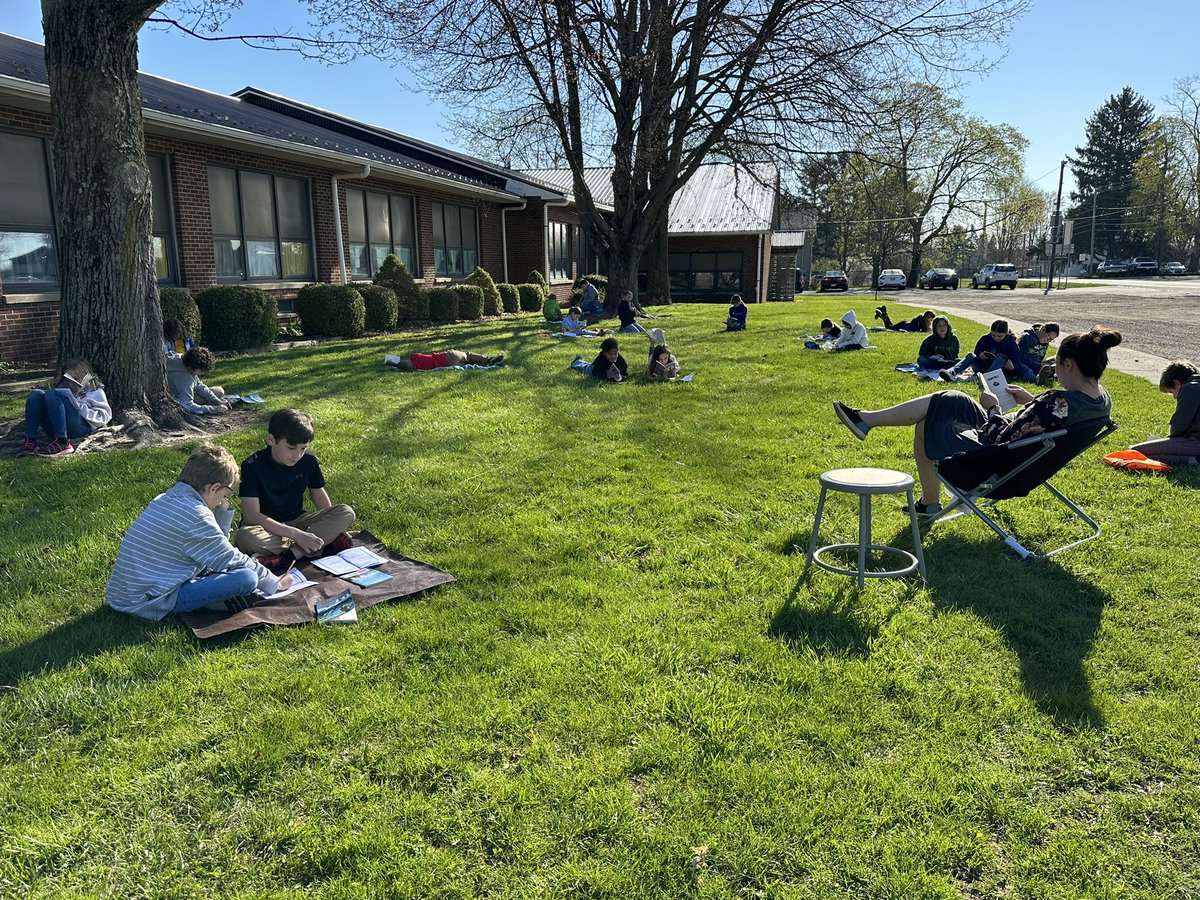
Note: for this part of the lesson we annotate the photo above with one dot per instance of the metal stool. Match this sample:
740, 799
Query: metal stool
866, 483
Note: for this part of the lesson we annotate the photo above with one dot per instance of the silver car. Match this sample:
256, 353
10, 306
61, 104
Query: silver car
995, 275
1173, 268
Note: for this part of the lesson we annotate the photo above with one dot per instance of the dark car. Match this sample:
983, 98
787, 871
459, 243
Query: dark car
943, 278
833, 280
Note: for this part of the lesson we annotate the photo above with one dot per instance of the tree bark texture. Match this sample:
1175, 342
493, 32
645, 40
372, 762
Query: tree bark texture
110, 312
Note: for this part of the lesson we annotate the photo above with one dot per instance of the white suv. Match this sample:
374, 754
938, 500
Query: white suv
993, 275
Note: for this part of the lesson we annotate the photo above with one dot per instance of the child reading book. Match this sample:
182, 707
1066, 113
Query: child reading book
75, 408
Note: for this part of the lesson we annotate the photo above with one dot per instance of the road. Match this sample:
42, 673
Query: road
1154, 315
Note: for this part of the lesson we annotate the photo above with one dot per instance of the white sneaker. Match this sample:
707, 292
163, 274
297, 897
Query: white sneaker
389, 360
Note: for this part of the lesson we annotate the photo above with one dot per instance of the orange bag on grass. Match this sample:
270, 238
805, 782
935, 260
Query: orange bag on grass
1135, 461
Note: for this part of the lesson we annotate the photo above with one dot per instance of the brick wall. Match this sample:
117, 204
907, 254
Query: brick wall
527, 244
29, 323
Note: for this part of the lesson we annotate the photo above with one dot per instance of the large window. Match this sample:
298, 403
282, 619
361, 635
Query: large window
455, 239
718, 272
262, 226
380, 224
164, 244
28, 256
558, 247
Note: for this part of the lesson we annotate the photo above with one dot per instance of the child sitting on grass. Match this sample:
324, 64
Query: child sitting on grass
183, 379
940, 349
175, 338
1181, 379
737, 314
176, 556
663, 365
830, 331
609, 365
274, 523
995, 350
853, 336
573, 324
75, 408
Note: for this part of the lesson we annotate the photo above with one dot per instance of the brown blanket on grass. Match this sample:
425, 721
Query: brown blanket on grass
409, 576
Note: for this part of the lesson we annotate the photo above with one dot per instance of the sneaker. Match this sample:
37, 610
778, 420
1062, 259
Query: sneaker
56, 448
945, 376
235, 604
390, 360
1045, 375
496, 360
337, 545
879, 311
922, 510
851, 419
28, 447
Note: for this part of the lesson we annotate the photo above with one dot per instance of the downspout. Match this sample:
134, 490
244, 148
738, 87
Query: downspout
546, 234
761, 287
504, 232
337, 213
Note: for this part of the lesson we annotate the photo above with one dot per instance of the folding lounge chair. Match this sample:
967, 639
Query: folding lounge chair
1012, 470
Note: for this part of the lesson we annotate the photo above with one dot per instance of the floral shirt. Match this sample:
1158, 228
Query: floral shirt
1048, 411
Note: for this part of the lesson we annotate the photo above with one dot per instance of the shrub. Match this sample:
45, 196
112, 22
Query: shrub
510, 298
491, 296
536, 277
442, 304
237, 317
532, 297
470, 300
380, 303
330, 310
410, 300
178, 303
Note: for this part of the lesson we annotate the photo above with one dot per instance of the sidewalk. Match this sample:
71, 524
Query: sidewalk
1124, 359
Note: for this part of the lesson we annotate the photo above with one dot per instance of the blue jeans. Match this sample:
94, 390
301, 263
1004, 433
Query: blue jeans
200, 592
54, 414
585, 367
633, 328
969, 360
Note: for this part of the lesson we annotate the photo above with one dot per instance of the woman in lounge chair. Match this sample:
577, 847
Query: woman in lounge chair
950, 422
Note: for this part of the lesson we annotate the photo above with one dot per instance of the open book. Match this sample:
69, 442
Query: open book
995, 382
349, 561
244, 398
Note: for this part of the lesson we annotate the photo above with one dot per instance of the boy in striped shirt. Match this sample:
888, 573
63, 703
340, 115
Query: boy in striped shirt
176, 557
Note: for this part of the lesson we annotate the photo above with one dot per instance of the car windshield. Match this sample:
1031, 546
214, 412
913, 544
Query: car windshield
833, 273
1006, 268
944, 271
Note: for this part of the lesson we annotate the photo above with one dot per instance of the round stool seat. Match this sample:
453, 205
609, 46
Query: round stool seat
866, 481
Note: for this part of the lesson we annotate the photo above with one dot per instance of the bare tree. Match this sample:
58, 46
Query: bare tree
655, 88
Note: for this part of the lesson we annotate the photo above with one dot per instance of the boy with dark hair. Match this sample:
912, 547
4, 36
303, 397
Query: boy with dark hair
183, 379
609, 365
176, 557
274, 523
1181, 379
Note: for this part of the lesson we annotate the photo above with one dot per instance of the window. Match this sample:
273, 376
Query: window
262, 226
380, 224
28, 255
699, 272
455, 239
557, 247
161, 230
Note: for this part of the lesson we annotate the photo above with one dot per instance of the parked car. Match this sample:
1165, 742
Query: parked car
833, 280
890, 279
1173, 268
1143, 265
943, 278
995, 275
1111, 267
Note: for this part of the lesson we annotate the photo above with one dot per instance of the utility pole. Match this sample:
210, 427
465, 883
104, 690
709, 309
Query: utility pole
983, 241
1092, 251
1054, 228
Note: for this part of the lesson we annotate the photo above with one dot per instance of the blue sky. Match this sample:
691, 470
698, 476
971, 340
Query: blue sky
1064, 59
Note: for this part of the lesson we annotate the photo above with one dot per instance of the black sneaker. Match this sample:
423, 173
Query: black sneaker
235, 604
945, 376
496, 361
922, 510
851, 419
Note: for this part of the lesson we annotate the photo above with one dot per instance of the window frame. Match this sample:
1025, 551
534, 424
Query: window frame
415, 264
279, 277
438, 214
558, 251
167, 233
10, 287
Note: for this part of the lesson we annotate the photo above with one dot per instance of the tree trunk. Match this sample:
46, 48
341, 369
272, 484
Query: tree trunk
658, 287
110, 312
915, 263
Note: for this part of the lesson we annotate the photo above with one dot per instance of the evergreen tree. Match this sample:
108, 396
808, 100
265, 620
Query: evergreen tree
1104, 168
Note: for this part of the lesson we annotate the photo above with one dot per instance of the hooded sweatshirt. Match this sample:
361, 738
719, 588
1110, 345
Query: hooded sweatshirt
945, 347
853, 332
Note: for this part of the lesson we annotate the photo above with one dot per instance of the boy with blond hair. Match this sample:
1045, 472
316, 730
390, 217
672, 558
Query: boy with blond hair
275, 526
176, 557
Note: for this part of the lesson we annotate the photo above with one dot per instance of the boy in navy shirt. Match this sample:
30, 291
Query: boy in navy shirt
274, 523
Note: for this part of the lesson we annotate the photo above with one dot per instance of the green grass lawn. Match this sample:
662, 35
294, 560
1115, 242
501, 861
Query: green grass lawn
629, 692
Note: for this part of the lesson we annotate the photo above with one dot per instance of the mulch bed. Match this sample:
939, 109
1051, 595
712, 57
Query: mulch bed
121, 437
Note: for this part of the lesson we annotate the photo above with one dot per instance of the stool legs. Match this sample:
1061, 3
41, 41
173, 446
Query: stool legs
812, 541
864, 537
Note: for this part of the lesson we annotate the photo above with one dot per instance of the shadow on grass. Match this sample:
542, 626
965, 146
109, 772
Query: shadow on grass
96, 632
832, 630
1047, 615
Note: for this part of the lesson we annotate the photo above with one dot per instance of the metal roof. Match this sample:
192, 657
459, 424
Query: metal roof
720, 198
287, 123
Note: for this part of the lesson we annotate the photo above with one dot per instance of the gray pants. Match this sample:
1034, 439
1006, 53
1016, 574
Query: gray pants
254, 540
1175, 451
